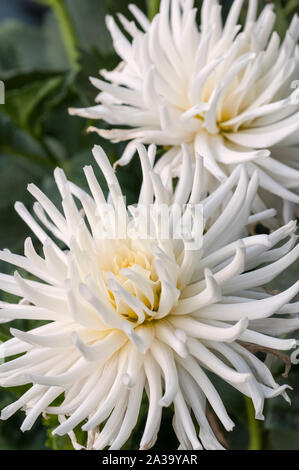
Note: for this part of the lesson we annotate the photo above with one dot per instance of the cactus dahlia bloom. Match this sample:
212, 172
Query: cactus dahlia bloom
228, 92
133, 317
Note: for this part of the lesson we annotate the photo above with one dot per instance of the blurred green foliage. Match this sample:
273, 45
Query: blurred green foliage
42, 80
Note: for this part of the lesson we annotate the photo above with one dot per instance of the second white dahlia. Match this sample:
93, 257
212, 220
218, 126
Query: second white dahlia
229, 92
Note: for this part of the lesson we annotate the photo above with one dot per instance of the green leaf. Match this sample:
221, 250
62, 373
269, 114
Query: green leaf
18, 47
152, 8
15, 79
30, 106
14, 178
24, 105
18, 144
88, 18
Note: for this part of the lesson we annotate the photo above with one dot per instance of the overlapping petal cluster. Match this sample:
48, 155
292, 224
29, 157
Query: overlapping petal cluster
229, 92
130, 319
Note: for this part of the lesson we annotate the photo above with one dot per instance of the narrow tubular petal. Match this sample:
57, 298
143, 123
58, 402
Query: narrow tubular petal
211, 361
15, 312
210, 295
263, 275
49, 207
252, 310
229, 213
165, 333
38, 408
63, 340
252, 388
224, 253
259, 367
112, 425
91, 401
26, 264
11, 409
103, 349
37, 297
164, 357
154, 415
268, 341
197, 401
29, 220
132, 412
135, 362
184, 186
181, 409
79, 370
109, 402
75, 395
197, 329
209, 390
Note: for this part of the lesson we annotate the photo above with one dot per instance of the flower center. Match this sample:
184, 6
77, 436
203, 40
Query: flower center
132, 285
226, 107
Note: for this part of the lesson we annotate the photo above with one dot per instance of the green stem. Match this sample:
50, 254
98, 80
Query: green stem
255, 436
152, 8
67, 31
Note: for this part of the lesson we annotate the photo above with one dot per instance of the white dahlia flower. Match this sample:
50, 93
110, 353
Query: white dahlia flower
230, 93
135, 316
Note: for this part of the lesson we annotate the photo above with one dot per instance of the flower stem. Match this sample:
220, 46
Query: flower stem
67, 31
152, 8
255, 436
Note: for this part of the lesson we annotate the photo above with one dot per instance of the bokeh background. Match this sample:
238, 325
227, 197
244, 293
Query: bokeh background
48, 49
